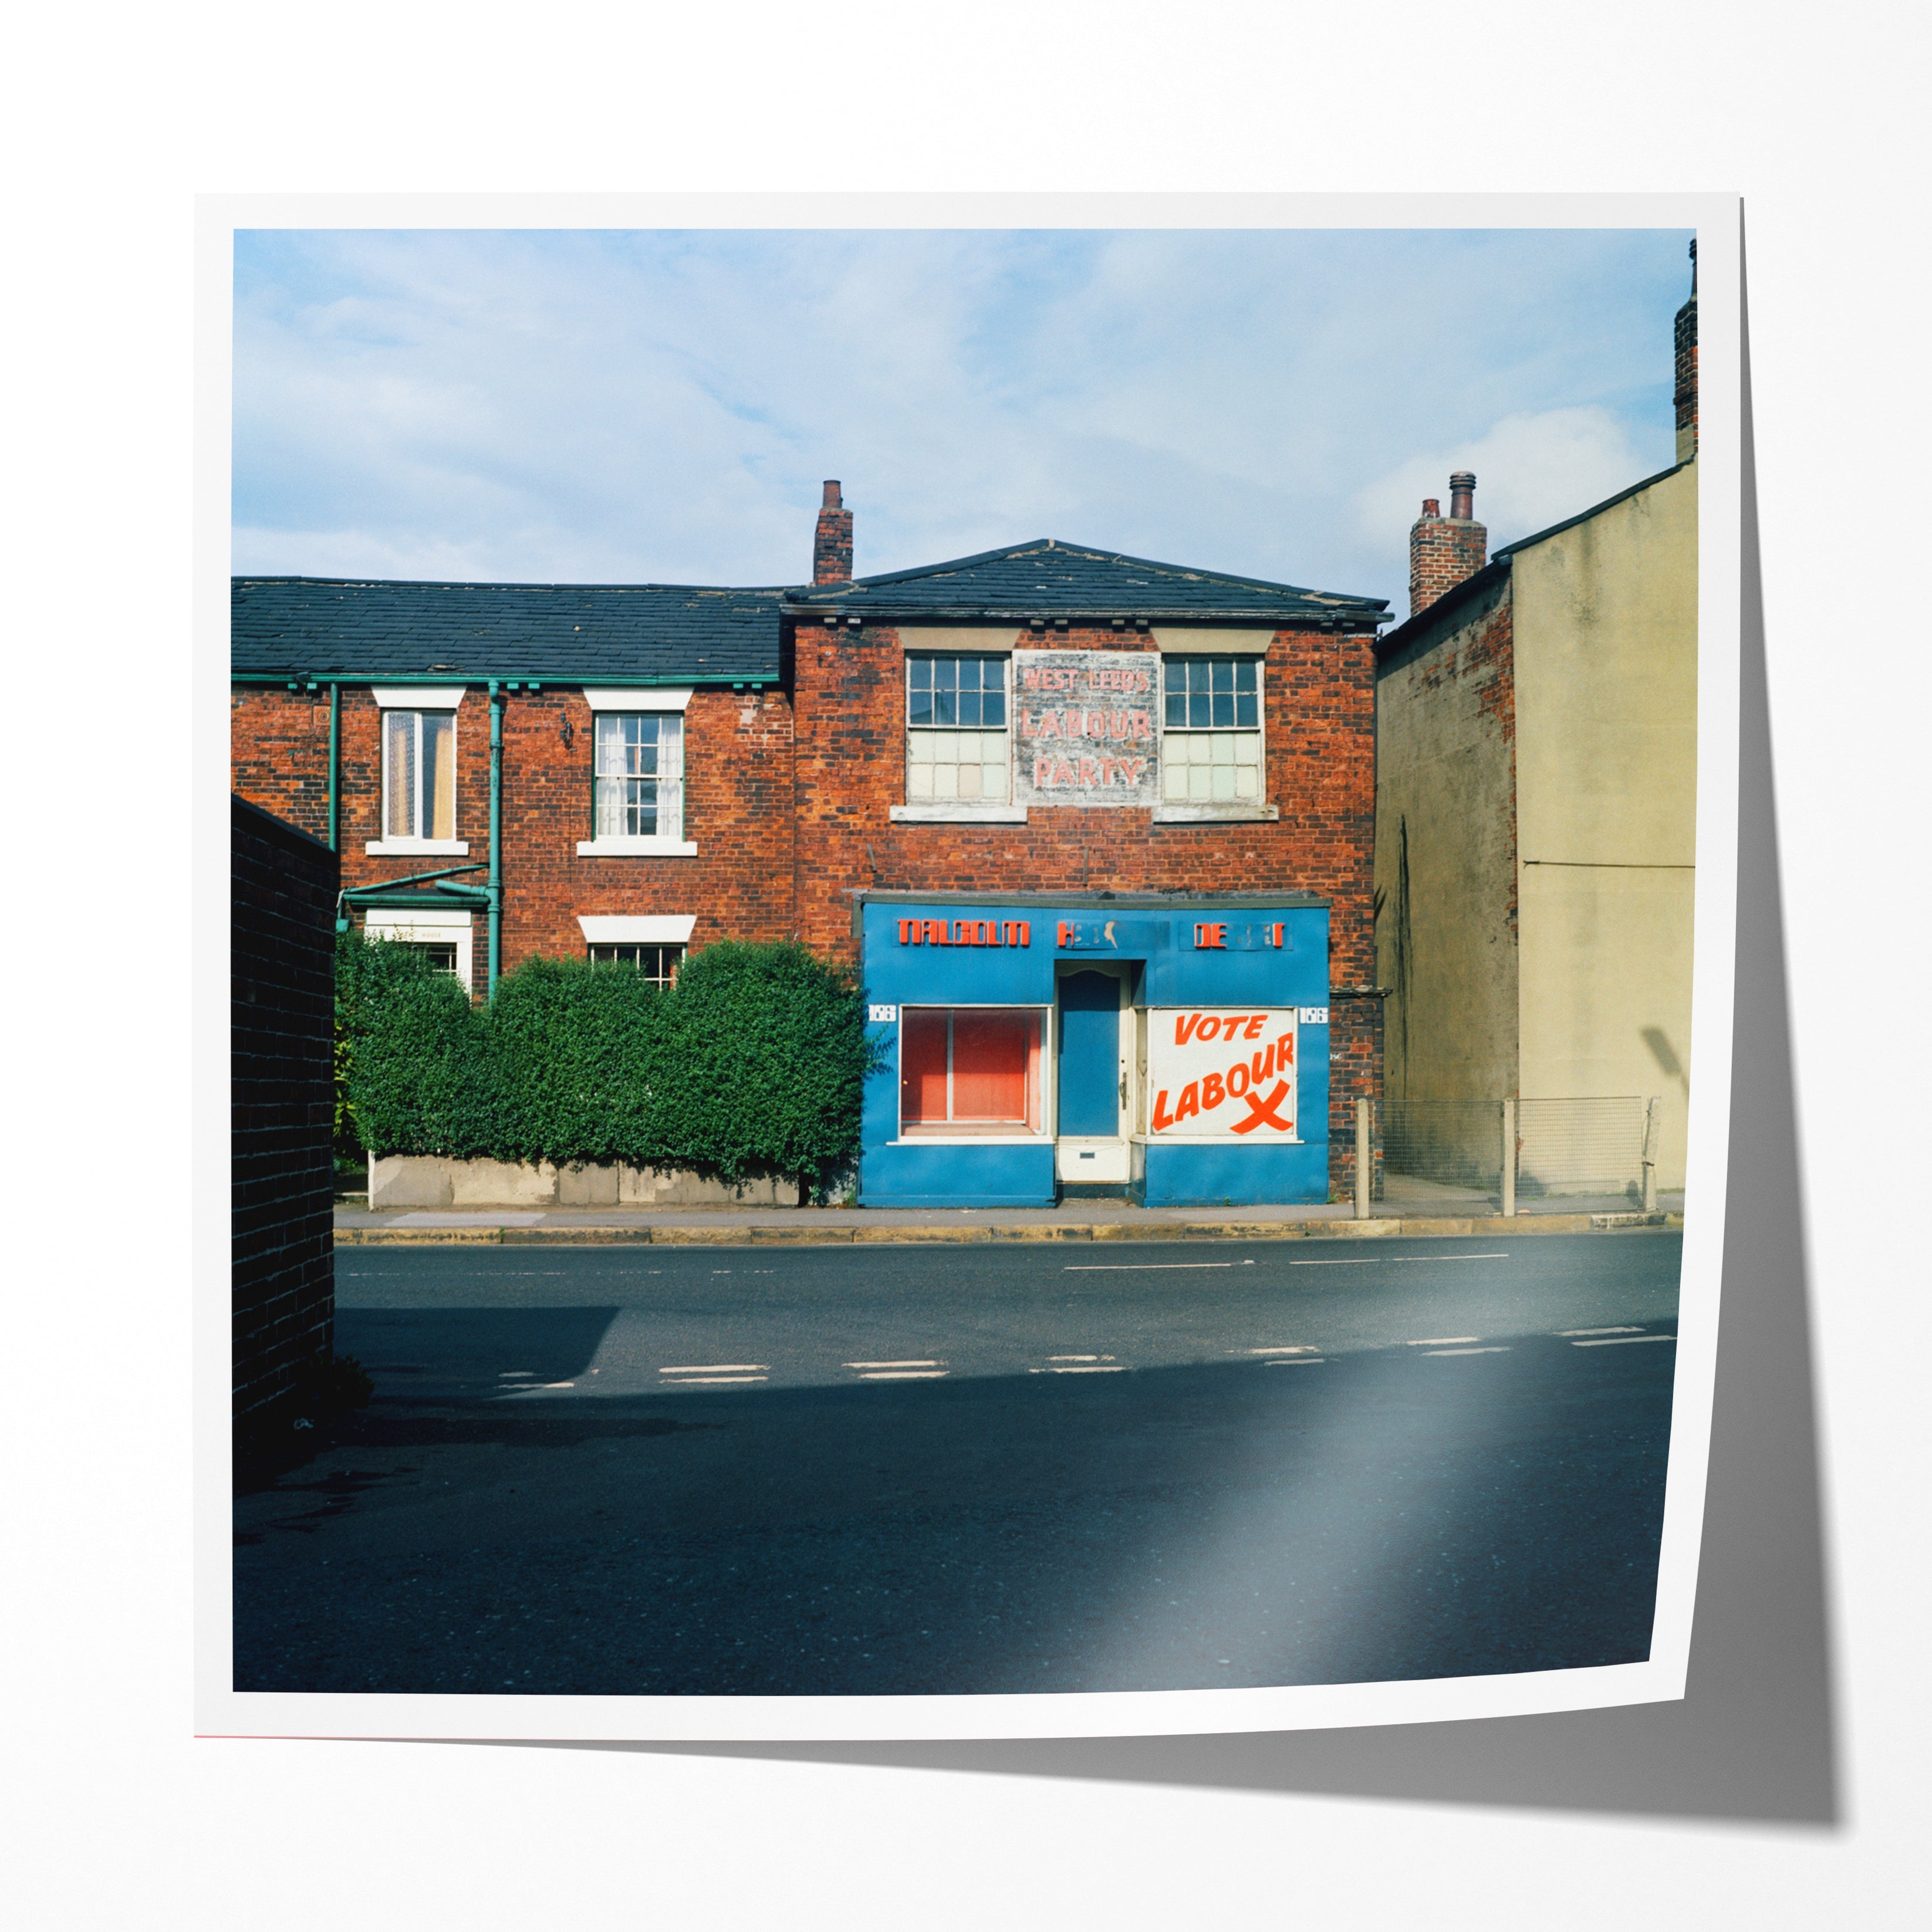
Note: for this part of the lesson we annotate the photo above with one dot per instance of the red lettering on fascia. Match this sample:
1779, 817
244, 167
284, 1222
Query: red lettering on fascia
1184, 1024
1210, 938
1026, 932
1161, 1118
905, 926
1066, 934
935, 933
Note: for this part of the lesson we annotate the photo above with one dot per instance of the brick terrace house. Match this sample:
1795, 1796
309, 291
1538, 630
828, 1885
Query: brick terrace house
1082, 823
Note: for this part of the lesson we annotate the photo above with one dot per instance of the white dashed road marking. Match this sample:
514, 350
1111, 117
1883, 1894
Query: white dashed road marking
715, 1375
929, 1369
1440, 1341
1284, 1349
1618, 1341
1626, 1330
1494, 1349
1139, 1267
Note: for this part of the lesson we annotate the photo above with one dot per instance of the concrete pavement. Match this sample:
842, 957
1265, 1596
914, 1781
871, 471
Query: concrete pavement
1410, 1208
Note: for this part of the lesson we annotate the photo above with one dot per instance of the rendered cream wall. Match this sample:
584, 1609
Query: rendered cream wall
1606, 781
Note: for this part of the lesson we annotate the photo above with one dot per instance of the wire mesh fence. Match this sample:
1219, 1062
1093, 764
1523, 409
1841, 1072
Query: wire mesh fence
1579, 1146
1456, 1143
1576, 1146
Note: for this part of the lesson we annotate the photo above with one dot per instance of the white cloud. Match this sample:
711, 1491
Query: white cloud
1531, 470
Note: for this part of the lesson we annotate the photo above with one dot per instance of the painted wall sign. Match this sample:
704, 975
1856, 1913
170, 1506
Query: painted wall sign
1083, 730
1222, 1073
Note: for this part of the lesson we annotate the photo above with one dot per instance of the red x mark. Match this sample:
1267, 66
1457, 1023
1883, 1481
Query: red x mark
1259, 1110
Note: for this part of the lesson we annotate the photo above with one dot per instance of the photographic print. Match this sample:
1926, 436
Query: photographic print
966, 958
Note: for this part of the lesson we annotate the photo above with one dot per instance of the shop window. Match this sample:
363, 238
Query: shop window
1210, 748
956, 744
967, 1070
657, 964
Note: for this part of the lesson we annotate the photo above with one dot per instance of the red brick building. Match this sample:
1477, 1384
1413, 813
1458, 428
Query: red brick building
624, 771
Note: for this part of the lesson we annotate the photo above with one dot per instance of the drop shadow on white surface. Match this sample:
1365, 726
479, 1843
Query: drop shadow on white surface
1756, 1737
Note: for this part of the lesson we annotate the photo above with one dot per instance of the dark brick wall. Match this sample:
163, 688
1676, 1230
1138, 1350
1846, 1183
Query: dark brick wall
1684, 394
282, 905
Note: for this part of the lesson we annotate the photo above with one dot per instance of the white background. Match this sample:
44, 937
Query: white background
116, 1816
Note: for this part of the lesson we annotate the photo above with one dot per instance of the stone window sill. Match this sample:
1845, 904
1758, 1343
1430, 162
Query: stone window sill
948, 812
1215, 814
416, 848
636, 848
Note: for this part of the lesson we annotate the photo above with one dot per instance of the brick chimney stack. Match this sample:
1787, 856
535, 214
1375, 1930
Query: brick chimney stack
832, 542
1686, 397
1444, 550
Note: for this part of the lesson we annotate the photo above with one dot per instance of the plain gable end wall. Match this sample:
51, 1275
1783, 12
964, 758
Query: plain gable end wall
1607, 694
1446, 858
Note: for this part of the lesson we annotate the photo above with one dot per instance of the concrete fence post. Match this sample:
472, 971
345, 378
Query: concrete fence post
1509, 1159
1364, 1161
1651, 1126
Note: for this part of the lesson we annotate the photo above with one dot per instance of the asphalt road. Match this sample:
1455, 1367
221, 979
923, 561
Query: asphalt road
973, 1468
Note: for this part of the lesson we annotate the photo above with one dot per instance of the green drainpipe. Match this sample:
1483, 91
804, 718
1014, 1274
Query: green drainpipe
334, 748
496, 831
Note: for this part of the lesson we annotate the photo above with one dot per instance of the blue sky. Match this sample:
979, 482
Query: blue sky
661, 406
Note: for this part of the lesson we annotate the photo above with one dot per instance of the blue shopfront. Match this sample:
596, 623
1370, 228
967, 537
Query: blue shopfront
1164, 1049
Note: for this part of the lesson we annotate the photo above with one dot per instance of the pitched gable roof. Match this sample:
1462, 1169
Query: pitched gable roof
561, 633
1047, 578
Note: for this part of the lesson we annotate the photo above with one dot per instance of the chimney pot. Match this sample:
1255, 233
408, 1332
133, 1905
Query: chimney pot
1442, 553
832, 500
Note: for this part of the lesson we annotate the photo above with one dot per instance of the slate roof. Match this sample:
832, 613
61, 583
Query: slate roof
1050, 579
561, 633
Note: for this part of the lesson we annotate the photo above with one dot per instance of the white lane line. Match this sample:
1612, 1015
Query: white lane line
1295, 1362
1139, 1268
1494, 1349
1080, 1358
925, 1362
1286, 1348
1497, 1256
1625, 1329
711, 1381
1619, 1341
1093, 1369
1366, 1261
1439, 1341
904, 1375
718, 1368
514, 1375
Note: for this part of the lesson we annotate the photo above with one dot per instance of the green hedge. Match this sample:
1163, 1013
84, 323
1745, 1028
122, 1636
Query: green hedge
754, 1062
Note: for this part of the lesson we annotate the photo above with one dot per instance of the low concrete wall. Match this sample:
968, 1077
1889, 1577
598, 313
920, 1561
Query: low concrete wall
429, 1181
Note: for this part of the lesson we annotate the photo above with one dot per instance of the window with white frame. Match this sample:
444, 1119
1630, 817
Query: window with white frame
418, 758
445, 937
636, 782
1210, 747
640, 775
657, 964
419, 775
956, 742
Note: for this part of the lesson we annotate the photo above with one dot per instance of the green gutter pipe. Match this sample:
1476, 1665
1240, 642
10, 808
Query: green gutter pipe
335, 743
495, 887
